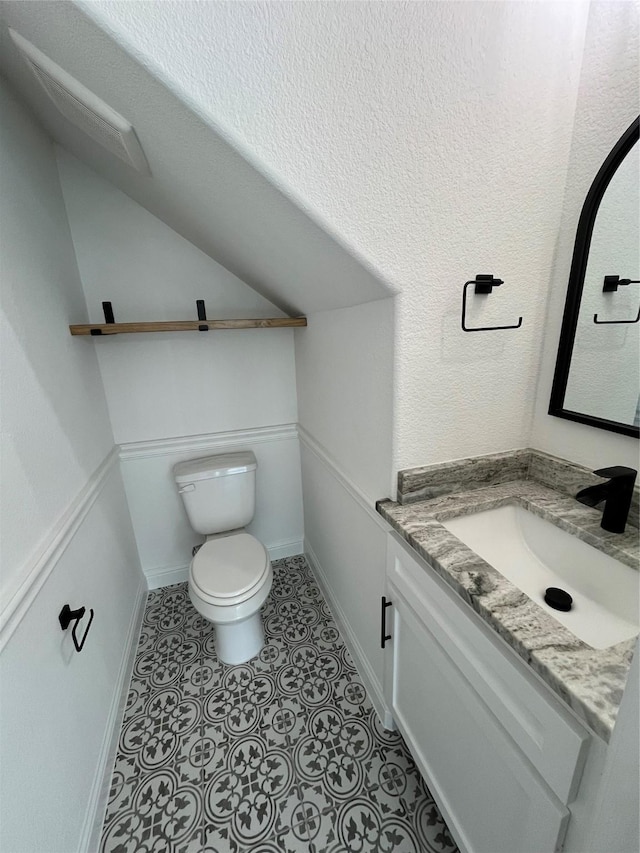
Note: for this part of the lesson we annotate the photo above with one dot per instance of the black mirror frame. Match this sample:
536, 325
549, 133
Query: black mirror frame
576, 284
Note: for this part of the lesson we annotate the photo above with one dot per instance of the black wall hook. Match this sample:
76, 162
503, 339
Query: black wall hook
611, 285
484, 284
67, 615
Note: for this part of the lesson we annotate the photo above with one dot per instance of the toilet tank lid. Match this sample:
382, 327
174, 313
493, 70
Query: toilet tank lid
214, 466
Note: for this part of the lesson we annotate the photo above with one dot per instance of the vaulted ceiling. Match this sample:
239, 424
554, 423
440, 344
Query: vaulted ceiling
200, 185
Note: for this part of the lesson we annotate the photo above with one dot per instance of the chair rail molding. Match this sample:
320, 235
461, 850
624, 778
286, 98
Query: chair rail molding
366, 502
206, 441
19, 595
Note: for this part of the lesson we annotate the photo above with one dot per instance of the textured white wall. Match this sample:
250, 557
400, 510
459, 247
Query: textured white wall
54, 427
608, 100
434, 138
161, 386
57, 707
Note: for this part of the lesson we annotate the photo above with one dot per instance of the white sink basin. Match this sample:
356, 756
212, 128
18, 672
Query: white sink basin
534, 554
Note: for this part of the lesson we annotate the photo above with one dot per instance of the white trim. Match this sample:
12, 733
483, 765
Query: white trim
167, 575
367, 503
165, 446
99, 796
285, 549
366, 673
38, 568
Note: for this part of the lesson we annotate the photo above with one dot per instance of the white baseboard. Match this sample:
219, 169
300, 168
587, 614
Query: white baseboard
92, 829
365, 671
285, 549
165, 576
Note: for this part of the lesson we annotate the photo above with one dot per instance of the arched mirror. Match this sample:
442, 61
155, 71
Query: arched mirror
597, 376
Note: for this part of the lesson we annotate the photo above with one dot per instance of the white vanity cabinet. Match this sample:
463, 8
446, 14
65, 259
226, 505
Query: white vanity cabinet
500, 754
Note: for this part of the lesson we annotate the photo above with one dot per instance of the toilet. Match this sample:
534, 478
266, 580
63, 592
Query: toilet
230, 576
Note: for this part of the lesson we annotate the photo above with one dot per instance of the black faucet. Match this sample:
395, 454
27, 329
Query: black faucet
616, 494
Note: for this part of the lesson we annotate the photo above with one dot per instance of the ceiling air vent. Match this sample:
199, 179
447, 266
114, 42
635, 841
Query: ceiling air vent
83, 108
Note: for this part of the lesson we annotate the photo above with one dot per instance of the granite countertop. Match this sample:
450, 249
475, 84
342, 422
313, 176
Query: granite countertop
591, 681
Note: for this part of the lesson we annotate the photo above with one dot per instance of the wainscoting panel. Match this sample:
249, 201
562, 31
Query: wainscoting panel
60, 709
163, 534
102, 782
30, 580
345, 542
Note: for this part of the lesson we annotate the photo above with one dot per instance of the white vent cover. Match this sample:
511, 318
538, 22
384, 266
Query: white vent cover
83, 108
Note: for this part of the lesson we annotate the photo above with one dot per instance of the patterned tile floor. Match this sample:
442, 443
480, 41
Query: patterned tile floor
283, 754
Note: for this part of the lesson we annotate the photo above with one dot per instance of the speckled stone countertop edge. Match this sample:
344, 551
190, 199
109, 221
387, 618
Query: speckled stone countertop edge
590, 681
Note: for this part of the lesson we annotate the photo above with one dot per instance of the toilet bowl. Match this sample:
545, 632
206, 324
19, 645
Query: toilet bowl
230, 576
229, 580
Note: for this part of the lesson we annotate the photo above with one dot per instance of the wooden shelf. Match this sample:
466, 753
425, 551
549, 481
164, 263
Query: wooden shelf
99, 329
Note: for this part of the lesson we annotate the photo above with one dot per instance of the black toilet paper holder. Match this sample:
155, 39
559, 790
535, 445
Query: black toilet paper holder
67, 615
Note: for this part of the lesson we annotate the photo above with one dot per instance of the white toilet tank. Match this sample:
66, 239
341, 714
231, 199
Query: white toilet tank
219, 492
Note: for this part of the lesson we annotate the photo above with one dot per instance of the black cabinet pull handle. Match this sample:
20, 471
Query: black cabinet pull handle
383, 622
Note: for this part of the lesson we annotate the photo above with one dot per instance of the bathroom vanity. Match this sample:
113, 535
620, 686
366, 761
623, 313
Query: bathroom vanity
507, 712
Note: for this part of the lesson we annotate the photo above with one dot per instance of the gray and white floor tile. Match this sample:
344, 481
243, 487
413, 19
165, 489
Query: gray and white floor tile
283, 754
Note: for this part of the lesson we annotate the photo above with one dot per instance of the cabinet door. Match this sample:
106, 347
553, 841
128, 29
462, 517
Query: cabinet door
494, 801
545, 733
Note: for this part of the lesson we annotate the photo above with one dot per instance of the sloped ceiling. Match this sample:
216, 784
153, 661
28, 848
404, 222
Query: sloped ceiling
200, 185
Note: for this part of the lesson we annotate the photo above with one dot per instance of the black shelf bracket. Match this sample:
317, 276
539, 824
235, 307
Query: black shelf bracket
108, 312
202, 315
611, 285
483, 285
67, 615
107, 309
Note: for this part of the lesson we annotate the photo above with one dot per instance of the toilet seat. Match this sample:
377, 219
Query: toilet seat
229, 570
